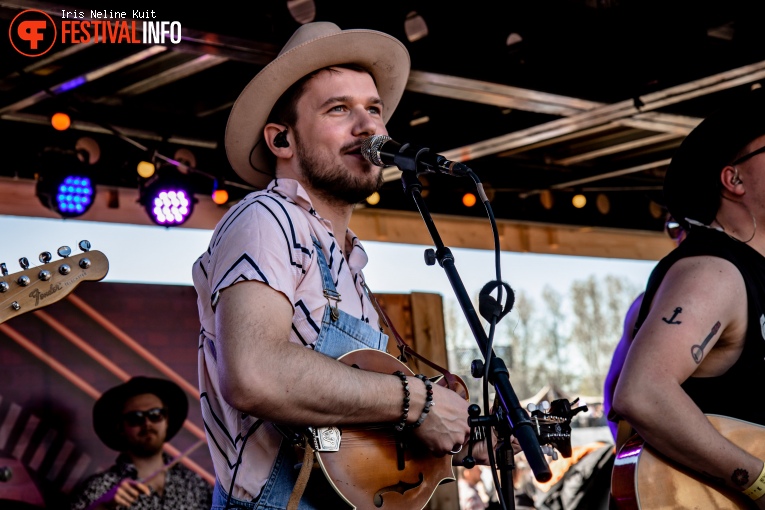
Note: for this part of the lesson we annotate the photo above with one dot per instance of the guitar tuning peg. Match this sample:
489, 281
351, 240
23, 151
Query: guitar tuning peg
64, 251
3, 269
531, 407
84, 245
550, 452
45, 257
24, 263
545, 405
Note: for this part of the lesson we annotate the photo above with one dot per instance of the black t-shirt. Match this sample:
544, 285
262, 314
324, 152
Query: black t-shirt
734, 393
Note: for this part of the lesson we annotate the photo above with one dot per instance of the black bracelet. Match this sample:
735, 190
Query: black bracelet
405, 413
428, 400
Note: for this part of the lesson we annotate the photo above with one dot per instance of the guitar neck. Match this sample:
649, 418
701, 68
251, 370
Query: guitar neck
36, 287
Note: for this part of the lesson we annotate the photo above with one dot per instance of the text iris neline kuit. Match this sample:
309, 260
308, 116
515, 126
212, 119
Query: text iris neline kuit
110, 14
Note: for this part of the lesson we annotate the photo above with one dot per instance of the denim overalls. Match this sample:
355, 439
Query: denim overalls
340, 333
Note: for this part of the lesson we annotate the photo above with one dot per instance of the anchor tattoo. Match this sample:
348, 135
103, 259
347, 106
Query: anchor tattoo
672, 320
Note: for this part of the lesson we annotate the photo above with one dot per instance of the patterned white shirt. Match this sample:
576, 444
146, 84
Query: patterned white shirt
183, 488
266, 237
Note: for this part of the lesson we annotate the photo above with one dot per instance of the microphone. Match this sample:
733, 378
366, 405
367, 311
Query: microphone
381, 150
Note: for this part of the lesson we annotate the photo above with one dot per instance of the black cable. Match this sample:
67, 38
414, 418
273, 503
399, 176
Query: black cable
490, 338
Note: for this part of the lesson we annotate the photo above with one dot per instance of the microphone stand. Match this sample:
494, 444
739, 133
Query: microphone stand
510, 411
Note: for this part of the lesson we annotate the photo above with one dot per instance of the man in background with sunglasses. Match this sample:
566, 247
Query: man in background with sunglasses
136, 419
700, 343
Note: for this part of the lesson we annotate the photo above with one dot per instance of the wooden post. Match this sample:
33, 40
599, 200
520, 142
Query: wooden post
419, 320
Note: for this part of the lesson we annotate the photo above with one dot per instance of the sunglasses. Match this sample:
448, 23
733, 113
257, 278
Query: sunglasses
136, 418
674, 230
748, 156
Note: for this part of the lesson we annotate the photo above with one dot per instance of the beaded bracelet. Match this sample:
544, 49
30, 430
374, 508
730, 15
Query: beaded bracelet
757, 489
428, 400
405, 413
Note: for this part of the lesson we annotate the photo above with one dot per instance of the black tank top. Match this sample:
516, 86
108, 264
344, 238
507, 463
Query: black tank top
736, 392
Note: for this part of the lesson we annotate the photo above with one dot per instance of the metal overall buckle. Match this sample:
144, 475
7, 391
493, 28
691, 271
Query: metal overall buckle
332, 296
325, 439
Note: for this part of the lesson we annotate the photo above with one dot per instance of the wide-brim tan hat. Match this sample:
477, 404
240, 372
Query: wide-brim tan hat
312, 47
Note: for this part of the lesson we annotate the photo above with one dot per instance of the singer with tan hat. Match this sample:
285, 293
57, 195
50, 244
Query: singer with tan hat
281, 286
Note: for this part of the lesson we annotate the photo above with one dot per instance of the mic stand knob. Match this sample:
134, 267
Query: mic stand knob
477, 368
478, 426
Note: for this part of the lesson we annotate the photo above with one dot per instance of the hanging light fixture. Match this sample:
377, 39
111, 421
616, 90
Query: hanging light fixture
167, 197
65, 183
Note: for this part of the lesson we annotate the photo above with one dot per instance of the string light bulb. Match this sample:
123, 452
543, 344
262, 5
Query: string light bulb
579, 201
373, 199
60, 121
220, 196
469, 200
546, 199
145, 169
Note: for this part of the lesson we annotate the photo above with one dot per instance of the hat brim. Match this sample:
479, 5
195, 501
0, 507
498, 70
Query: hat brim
385, 57
107, 410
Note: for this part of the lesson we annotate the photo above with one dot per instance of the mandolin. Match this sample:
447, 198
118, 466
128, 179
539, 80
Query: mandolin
375, 467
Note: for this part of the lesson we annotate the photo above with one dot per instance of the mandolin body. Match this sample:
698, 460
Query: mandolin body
376, 467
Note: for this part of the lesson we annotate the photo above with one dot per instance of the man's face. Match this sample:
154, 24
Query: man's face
144, 437
752, 174
337, 112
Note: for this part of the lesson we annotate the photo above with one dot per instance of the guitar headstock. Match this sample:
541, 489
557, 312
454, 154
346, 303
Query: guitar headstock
552, 423
38, 286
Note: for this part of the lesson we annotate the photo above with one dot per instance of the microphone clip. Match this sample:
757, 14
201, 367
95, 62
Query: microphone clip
409, 158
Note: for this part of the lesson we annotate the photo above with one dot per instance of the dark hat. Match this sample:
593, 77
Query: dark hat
692, 183
108, 408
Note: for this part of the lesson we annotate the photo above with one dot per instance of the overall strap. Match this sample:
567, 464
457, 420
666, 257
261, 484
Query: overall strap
330, 292
328, 285
451, 380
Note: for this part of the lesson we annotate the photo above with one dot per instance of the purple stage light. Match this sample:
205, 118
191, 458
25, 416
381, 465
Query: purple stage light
170, 206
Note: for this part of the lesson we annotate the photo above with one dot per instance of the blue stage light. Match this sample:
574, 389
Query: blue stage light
64, 183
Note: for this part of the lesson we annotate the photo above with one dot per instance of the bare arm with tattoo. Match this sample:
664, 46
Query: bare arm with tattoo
696, 327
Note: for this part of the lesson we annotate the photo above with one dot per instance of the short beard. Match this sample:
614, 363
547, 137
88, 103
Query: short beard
146, 449
335, 184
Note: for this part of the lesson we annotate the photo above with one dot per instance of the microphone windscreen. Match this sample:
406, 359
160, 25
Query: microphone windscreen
370, 149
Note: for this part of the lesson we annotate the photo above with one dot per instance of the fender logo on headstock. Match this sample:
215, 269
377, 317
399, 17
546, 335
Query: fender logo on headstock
38, 296
35, 287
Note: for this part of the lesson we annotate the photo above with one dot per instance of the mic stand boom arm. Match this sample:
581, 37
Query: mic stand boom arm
518, 419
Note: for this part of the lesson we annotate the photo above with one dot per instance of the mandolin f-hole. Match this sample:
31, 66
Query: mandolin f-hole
400, 487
